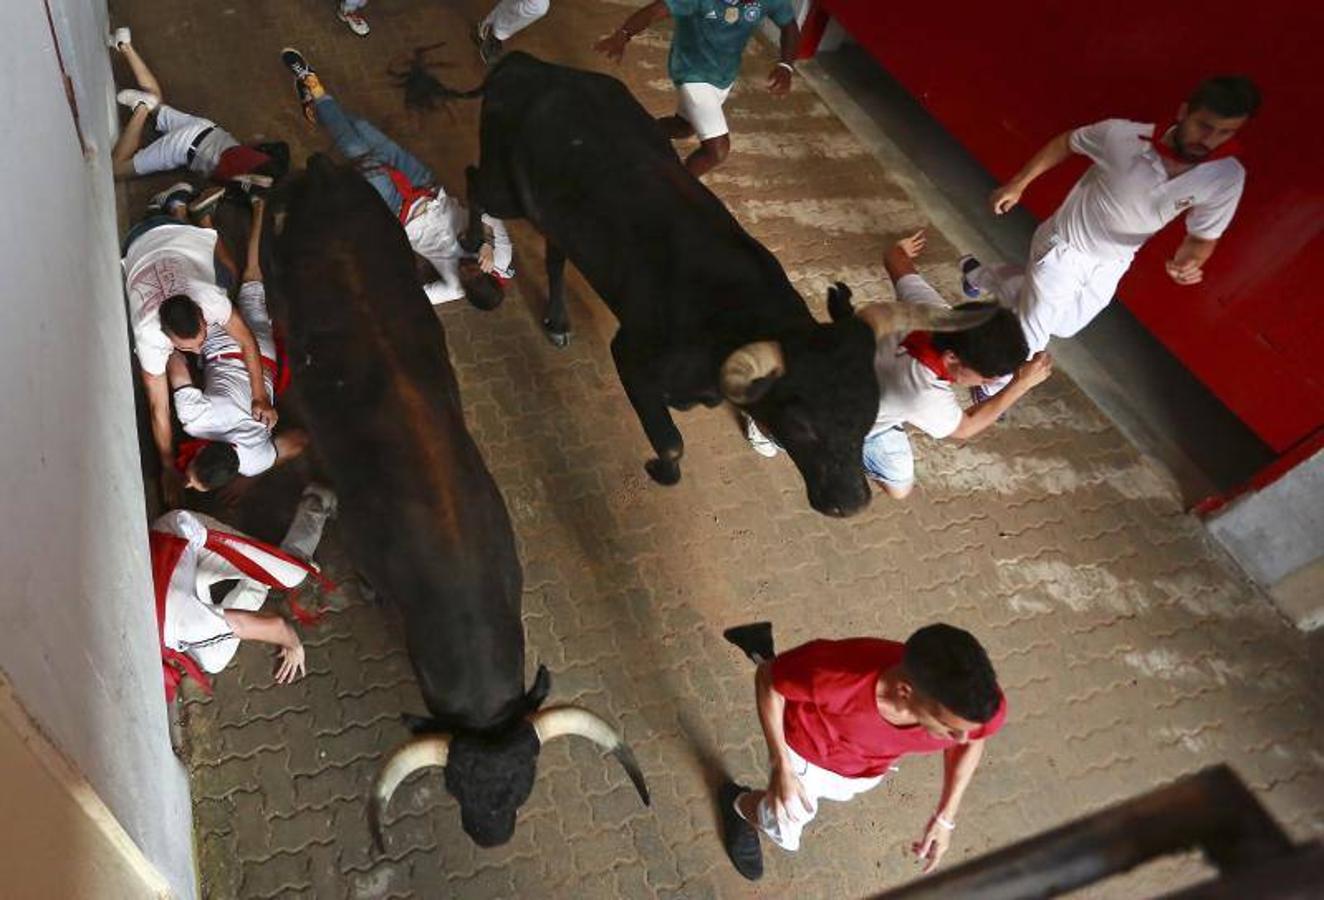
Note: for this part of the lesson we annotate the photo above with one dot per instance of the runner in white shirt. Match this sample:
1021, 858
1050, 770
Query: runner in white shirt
917, 371
433, 220
171, 272
1143, 177
185, 141
221, 411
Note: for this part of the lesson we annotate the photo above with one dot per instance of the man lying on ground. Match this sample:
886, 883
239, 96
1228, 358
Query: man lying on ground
172, 270
917, 371
838, 715
211, 581
432, 219
229, 439
186, 141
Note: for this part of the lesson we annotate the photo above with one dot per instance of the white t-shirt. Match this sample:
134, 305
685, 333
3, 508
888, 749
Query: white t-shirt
223, 409
434, 231
1126, 196
165, 261
910, 392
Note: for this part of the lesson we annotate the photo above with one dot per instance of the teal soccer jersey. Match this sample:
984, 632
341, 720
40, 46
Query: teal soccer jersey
711, 35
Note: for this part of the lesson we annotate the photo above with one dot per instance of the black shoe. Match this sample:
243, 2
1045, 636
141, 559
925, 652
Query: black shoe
738, 836
489, 48
295, 62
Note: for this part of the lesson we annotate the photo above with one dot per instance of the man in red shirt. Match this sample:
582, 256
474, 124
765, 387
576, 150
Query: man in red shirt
837, 715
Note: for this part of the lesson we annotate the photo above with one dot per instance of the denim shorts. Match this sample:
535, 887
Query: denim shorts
888, 457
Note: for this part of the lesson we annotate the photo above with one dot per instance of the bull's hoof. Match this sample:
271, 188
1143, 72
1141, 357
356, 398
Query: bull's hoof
560, 339
663, 471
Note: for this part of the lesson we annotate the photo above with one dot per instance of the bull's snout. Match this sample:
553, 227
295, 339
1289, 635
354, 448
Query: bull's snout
841, 503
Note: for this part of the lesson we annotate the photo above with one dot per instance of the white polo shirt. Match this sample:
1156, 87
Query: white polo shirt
165, 261
1126, 196
910, 392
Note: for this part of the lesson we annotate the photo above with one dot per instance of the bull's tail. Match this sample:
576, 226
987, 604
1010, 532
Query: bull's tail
422, 89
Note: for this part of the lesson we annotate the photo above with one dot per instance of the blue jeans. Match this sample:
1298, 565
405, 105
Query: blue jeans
888, 457
361, 143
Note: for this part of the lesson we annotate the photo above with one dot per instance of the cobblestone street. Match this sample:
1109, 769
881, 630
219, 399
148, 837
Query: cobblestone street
1129, 650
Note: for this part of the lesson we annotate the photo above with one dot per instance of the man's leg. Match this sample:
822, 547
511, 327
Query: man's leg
391, 153
701, 106
305, 532
889, 461
509, 17
121, 157
141, 74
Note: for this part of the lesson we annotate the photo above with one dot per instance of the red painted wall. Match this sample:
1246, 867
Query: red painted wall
1005, 77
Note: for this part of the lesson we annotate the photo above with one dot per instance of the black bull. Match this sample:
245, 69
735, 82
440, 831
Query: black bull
706, 312
421, 515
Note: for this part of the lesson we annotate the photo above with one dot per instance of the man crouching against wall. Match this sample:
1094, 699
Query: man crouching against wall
838, 715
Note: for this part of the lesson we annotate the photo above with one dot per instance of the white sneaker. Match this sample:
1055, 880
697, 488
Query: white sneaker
354, 20
133, 98
118, 38
762, 444
179, 192
438, 293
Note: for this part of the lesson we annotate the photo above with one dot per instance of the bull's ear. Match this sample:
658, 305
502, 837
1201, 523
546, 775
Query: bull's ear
542, 685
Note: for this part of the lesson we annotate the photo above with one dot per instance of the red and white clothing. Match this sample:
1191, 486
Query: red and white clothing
192, 551
434, 226
222, 410
165, 261
841, 745
912, 392
1082, 251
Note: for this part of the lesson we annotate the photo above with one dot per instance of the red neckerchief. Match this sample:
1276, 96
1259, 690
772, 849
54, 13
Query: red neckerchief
1228, 148
919, 344
188, 451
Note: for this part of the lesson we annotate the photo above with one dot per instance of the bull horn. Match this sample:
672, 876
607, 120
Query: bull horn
556, 721
408, 758
894, 318
746, 365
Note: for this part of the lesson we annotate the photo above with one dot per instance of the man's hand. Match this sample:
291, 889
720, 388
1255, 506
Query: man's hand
265, 413
912, 246
1185, 272
486, 258
933, 845
1005, 197
787, 794
613, 45
172, 485
1035, 370
291, 663
779, 80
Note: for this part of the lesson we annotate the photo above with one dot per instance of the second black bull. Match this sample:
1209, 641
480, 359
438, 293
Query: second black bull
706, 312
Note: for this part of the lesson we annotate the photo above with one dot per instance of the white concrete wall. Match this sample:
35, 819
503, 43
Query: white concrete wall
77, 625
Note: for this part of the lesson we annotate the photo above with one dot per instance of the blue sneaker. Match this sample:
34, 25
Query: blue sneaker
968, 265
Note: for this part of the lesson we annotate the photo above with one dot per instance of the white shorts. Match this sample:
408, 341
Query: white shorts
178, 131
819, 784
700, 104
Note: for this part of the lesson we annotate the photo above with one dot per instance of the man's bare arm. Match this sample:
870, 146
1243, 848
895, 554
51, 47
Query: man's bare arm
1187, 264
238, 329
1031, 373
958, 768
613, 45
158, 407
1050, 156
270, 629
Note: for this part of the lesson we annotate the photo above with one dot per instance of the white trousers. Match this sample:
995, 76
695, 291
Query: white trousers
1060, 292
509, 17
819, 784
